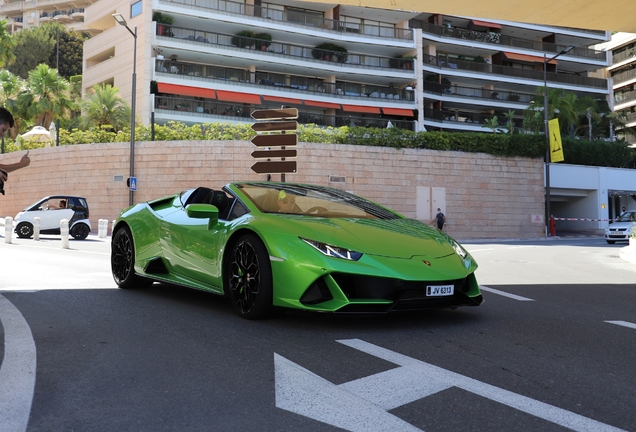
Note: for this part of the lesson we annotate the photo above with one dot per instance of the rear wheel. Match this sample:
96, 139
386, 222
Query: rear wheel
249, 278
122, 261
24, 230
80, 231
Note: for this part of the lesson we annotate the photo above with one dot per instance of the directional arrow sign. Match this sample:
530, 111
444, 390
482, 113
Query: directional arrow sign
274, 154
275, 114
272, 167
278, 126
287, 140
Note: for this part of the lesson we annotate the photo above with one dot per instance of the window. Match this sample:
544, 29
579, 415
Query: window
136, 8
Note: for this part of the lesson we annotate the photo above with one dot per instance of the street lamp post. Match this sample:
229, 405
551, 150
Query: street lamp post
546, 129
120, 20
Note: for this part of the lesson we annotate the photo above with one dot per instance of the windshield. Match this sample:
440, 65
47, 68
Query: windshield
626, 217
312, 201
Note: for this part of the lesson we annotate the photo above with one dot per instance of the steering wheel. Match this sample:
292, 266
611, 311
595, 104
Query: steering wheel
319, 210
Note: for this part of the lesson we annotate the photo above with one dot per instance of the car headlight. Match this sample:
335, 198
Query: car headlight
459, 250
333, 251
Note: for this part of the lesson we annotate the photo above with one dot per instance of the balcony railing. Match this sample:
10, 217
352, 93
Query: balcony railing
490, 69
290, 83
500, 39
218, 111
277, 12
477, 92
620, 98
470, 118
287, 50
625, 76
625, 55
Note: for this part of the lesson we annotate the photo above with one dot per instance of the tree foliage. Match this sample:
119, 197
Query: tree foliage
7, 45
45, 97
71, 50
104, 108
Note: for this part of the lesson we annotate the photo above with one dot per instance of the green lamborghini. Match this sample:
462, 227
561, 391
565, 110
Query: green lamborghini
270, 246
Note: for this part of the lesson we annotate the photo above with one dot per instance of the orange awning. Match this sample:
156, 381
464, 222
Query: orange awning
282, 100
228, 96
527, 58
322, 104
398, 112
486, 24
361, 109
182, 90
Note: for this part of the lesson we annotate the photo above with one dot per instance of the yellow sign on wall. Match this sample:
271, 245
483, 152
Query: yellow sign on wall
556, 149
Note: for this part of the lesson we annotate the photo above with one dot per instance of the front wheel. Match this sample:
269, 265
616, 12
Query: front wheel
249, 278
80, 231
122, 261
24, 230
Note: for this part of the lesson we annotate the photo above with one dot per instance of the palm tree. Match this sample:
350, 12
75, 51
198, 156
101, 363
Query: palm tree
104, 107
492, 123
10, 86
7, 45
561, 105
46, 96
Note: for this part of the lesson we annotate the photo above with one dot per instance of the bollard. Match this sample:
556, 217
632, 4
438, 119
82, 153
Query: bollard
64, 233
36, 228
102, 228
8, 229
552, 226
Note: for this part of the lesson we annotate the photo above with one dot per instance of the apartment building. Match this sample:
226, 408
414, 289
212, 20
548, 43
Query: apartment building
216, 60
622, 72
23, 14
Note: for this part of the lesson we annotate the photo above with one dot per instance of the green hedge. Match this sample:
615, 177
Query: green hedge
578, 152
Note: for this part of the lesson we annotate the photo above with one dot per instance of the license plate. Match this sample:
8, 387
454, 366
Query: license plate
439, 290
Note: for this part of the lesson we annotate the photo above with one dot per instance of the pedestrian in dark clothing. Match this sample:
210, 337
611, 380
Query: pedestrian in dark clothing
441, 219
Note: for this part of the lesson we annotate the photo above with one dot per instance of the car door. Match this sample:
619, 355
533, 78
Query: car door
194, 250
50, 214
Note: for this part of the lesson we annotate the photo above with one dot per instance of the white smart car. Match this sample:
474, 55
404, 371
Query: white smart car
622, 228
51, 210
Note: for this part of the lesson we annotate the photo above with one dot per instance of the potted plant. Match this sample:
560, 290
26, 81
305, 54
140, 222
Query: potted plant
329, 51
244, 39
513, 97
164, 22
264, 40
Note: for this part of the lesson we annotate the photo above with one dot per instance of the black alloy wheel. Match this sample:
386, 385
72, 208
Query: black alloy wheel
80, 231
122, 261
249, 278
24, 230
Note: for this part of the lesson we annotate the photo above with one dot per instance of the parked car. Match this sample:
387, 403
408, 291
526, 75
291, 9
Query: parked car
289, 245
51, 210
622, 228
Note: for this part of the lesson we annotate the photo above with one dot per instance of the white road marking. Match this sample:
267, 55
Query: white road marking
623, 323
17, 372
505, 294
363, 404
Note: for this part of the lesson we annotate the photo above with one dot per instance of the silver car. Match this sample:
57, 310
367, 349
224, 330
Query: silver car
51, 210
622, 228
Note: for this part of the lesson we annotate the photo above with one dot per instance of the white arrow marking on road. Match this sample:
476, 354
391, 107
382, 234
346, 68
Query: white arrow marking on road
623, 323
17, 372
362, 404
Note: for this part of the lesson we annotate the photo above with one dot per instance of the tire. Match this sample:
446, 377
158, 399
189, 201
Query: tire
610, 241
249, 278
80, 231
24, 230
122, 261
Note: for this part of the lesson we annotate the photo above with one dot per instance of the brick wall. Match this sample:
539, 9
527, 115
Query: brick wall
486, 196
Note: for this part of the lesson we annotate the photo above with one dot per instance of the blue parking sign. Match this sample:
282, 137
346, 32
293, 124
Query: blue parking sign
133, 184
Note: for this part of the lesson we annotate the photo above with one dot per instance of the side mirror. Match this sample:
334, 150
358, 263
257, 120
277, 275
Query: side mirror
203, 211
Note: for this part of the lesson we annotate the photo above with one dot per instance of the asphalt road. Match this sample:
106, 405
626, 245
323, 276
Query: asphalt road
552, 348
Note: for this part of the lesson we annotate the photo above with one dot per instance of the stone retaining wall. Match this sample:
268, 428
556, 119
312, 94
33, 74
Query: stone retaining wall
485, 196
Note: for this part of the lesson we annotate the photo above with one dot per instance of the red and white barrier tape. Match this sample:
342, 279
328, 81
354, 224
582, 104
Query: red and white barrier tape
584, 219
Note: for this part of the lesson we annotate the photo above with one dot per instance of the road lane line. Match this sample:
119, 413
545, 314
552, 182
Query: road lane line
17, 372
623, 323
505, 294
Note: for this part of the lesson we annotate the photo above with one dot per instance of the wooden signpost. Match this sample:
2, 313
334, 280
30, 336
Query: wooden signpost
276, 130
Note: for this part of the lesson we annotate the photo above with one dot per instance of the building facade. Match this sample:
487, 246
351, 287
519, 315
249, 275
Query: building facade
23, 14
212, 61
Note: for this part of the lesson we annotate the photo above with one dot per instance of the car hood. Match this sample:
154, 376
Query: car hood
398, 238
621, 225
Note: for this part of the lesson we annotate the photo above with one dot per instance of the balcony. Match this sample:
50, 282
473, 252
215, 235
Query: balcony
478, 93
211, 111
500, 40
623, 77
276, 12
465, 118
299, 85
625, 98
303, 52
490, 69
